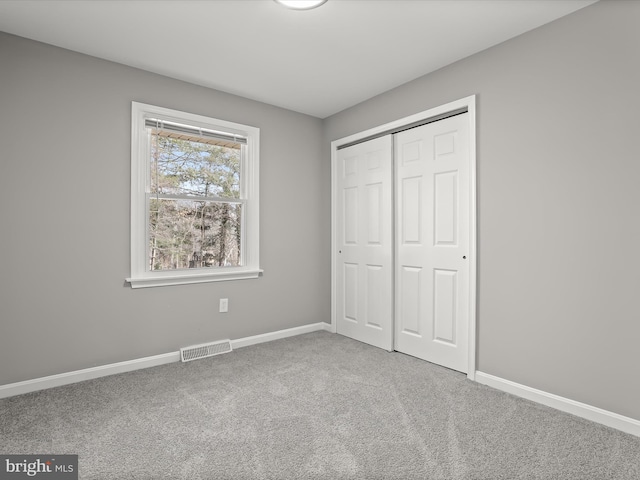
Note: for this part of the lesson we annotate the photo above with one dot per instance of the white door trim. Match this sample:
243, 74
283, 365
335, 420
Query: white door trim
470, 104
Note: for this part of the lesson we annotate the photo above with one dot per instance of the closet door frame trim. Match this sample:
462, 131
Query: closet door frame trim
470, 104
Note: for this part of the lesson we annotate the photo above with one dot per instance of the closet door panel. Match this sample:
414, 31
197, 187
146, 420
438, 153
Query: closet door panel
432, 232
364, 256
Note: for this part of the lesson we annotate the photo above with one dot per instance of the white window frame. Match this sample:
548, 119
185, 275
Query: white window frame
141, 275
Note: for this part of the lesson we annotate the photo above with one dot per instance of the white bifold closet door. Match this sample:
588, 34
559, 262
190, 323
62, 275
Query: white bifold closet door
402, 242
364, 256
432, 242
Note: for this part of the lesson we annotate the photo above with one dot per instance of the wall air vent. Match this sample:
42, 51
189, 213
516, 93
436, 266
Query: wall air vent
204, 350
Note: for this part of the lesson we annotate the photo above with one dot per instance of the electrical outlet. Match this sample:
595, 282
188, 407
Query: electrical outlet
224, 305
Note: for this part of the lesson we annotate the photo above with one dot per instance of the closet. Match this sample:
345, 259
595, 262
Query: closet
404, 239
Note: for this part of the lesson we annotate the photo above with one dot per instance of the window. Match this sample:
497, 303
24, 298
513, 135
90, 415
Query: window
194, 198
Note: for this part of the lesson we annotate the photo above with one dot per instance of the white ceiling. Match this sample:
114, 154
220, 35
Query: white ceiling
316, 61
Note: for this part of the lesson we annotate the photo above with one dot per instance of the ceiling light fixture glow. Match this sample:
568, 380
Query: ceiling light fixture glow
301, 4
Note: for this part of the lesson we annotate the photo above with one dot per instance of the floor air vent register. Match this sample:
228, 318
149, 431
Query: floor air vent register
204, 350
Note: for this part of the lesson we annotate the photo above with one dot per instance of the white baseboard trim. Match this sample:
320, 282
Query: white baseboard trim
76, 376
595, 414
289, 332
20, 388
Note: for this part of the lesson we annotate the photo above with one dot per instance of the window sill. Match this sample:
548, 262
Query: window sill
160, 280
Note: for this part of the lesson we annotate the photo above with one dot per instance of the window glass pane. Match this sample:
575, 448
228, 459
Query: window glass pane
193, 234
188, 167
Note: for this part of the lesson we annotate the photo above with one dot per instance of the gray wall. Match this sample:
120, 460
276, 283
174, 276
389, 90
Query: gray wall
65, 123
558, 199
